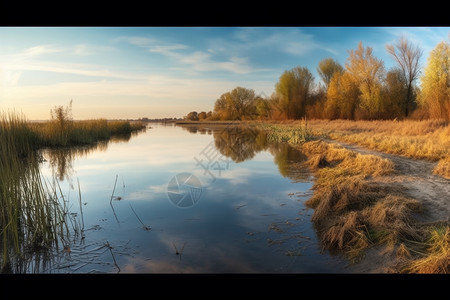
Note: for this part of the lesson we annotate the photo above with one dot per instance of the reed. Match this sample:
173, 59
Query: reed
53, 134
292, 134
29, 219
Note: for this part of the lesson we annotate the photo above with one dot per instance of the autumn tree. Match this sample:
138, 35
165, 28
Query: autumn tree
395, 93
367, 72
342, 97
202, 116
222, 107
238, 104
294, 89
407, 57
263, 109
326, 69
192, 116
435, 92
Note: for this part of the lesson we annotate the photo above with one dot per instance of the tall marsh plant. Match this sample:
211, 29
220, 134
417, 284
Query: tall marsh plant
293, 134
30, 219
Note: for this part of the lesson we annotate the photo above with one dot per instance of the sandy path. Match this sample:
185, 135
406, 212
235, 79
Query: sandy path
418, 181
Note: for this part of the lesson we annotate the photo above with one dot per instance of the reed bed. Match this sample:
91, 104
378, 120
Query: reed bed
30, 220
73, 133
298, 133
33, 214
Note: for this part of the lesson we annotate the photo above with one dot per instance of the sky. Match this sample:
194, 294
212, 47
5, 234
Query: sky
165, 72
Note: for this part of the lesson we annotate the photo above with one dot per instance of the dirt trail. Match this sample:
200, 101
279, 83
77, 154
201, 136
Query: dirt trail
417, 178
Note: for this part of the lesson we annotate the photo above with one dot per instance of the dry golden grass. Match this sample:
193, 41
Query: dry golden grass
323, 154
437, 256
443, 168
427, 139
353, 212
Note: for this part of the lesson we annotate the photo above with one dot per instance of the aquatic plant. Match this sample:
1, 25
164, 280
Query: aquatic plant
30, 219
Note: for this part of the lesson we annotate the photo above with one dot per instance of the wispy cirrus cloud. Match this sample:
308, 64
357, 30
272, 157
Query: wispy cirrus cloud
197, 60
37, 51
292, 41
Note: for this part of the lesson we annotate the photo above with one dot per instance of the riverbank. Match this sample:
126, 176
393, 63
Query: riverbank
32, 218
372, 206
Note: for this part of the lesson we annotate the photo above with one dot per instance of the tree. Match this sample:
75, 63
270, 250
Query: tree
407, 57
222, 107
294, 89
238, 104
326, 69
435, 93
243, 102
342, 97
368, 72
192, 116
202, 116
395, 91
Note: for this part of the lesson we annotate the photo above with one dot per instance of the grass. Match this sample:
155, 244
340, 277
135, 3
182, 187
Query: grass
354, 211
30, 220
427, 139
32, 217
73, 133
281, 133
436, 258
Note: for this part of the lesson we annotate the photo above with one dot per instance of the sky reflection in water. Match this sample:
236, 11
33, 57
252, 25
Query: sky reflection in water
248, 218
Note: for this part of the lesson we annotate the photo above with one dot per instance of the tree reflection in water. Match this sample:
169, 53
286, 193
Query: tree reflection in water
241, 143
61, 159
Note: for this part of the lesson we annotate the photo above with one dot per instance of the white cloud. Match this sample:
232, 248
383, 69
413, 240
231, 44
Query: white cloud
196, 60
291, 41
37, 51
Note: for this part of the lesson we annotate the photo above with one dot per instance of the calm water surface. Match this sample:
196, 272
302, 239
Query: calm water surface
187, 200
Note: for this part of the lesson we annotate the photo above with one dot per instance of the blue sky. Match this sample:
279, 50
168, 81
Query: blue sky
156, 72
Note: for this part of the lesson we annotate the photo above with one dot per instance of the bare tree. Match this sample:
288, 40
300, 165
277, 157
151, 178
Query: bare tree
407, 57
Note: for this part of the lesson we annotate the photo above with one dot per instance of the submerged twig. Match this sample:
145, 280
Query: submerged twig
112, 195
112, 254
176, 249
143, 225
81, 208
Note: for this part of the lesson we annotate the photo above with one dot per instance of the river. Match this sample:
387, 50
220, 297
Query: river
176, 199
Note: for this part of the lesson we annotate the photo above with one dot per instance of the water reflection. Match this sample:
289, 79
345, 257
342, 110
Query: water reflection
201, 129
61, 159
241, 143
249, 220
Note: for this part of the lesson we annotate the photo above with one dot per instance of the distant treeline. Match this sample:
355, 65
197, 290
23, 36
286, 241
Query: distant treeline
362, 89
